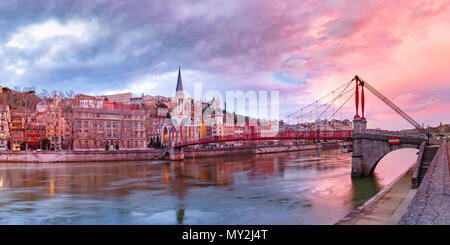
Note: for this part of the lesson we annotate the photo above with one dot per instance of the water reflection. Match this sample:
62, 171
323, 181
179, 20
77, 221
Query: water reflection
310, 187
363, 189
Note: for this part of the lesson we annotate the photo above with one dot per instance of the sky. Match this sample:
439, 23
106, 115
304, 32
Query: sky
303, 49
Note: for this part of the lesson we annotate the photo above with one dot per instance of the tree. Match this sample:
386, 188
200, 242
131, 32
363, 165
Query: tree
67, 107
23, 101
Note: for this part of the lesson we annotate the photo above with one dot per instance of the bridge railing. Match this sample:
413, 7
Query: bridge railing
393, 133
288, 135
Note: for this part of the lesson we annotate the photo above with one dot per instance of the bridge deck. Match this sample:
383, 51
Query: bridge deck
293, 135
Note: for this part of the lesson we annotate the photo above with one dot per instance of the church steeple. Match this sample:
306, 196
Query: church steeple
179, 82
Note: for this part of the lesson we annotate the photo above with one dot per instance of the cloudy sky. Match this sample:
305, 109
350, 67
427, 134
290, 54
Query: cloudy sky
304, 49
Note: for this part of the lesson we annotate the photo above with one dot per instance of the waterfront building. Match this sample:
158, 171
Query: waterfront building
53, 122
5, 119
17, 130
118, 128
35, 137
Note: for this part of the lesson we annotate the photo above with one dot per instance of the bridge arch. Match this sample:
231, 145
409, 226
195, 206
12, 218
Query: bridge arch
166, 155
369, 149
372, 171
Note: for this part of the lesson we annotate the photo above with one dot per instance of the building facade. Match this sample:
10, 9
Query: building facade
109, 129
5, 119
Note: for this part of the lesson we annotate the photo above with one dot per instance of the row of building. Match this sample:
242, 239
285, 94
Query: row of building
120, 122
124, 122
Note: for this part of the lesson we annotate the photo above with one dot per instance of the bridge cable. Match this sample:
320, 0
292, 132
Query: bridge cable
342, 105
341, 94
346, 83
332, 102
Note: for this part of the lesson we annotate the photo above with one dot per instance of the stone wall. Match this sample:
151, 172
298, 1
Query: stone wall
431, 204
368, 149
74, 156
189, 153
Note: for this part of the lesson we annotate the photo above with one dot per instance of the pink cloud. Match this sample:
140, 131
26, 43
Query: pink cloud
400, 47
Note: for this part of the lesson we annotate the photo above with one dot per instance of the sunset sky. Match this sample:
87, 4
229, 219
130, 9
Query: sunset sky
304, 49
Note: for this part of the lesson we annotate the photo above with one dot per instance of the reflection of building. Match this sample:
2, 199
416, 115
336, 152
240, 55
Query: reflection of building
4, 129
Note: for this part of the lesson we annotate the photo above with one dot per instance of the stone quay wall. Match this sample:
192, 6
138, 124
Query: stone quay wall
215, 152
151, 154
80, 156
431, 204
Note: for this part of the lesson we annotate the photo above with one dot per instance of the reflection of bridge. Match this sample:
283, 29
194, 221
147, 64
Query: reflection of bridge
369, 145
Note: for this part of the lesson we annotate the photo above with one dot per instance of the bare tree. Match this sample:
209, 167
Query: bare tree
22, 100
67, 107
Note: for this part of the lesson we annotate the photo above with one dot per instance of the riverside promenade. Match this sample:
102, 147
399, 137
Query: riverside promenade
431, 204
399, 204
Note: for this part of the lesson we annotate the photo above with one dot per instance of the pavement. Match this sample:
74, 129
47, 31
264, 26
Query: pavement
399, 204
389, 209
431, 204
386, 207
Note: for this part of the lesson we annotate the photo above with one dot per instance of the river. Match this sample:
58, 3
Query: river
308, 187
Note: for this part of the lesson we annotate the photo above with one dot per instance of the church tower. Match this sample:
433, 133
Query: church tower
179, 98
179, 82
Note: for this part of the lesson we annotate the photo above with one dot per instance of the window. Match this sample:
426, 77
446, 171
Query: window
86, 124
108, 124
86, 144
79, 124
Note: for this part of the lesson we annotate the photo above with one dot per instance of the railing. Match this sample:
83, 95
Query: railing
289, 135
414, 179
392, 133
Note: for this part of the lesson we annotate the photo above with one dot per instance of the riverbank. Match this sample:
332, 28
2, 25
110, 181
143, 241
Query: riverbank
387, 206
150, 154
215, 152
399, 204
431, 204
80, 156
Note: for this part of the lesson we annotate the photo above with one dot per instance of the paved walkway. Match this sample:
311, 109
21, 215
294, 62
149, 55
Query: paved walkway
431, 204
389, 209
386, 207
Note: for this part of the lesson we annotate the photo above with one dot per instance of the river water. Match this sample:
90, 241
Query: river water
308, 187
